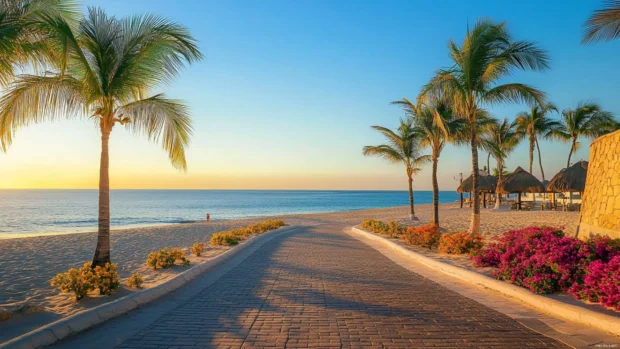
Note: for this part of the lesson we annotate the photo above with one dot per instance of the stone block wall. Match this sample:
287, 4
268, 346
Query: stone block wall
600, 210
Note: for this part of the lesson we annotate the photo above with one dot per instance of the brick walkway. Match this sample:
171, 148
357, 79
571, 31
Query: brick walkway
318, 287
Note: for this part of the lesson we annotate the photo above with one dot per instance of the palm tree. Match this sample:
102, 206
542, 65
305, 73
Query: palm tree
587, 120
106, 70
532, 125
501, 139
403, 147
604, 24
435, 124
487, 55
24, 32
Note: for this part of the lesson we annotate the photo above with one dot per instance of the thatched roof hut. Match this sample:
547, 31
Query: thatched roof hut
487, 184
520, 181
570, 179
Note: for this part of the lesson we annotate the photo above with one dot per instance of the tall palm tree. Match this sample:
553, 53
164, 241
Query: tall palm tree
587, 120
403, 147
24, 32
487, 55
435, 124
500, 140
604, 24
105, 72
535, 123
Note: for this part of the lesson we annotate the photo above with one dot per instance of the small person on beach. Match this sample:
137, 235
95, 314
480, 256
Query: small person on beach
208, 217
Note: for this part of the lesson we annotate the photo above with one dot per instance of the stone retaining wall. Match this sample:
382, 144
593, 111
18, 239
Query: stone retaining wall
600, 210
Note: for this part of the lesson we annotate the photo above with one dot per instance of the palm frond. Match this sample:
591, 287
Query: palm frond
513, 93
383, 151
34, 99
604, 24
162, 120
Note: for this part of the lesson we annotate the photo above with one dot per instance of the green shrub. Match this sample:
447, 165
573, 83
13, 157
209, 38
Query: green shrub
135, 280
392, 229
198, 248
166, 258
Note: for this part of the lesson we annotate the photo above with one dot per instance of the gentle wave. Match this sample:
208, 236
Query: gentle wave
43, 212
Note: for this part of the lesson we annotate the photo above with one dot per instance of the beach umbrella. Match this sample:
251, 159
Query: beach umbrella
487, 185
569, 179
520, 181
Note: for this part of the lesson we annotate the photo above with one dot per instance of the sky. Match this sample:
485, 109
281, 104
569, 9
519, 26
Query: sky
288, 90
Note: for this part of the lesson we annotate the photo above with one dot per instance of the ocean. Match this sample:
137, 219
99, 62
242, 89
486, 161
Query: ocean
40, 212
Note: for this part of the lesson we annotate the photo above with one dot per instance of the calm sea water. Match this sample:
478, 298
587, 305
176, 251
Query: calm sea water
62, 211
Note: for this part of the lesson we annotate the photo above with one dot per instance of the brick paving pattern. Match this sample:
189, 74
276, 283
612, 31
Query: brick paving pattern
321, 288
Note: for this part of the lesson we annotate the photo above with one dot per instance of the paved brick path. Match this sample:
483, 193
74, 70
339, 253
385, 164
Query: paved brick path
318, 287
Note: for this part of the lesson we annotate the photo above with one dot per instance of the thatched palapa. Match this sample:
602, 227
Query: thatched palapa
520, 181
487, 184
572, 179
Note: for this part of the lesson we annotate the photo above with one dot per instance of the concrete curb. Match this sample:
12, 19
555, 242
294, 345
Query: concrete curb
551, 306
54, 332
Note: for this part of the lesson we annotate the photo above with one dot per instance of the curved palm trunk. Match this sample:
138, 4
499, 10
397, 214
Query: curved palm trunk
102, 252
531, 154
542, 171
572, 149
435, 190
474, 227
411, 209
489, 163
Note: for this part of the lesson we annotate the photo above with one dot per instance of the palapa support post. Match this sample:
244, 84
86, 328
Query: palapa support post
519, 201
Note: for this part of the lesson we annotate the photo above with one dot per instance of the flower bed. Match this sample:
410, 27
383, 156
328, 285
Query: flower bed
545, 261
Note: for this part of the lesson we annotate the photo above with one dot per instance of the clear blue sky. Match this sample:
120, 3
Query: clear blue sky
288, 90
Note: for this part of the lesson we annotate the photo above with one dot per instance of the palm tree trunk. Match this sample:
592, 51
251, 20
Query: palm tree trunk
540, 160
474, 227
500, 167
411, 209
102, 252
435, 190
531, 153
572, 149
489, 163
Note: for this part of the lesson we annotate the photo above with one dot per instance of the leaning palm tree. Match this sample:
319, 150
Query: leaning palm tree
604, 24
403, 147
487, 55
536, 123
501, 139
587, 121
436, 125
105, 71
24, 32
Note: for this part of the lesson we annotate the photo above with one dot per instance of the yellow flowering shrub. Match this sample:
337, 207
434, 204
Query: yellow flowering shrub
166, 258
106, 278
198, 248
224, 239
76, 281
85, 279
135, 280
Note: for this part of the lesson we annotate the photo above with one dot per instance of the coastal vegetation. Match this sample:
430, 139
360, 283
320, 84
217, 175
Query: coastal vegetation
135, 280
104, 69
435, 124
235, 235
487, 55
604, 24
403, 147
536, 123
166, 258
86, 279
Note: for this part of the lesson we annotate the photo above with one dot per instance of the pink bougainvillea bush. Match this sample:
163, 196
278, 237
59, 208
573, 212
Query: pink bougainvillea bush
544, 260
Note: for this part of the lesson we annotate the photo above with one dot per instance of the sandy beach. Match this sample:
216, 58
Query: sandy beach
29, 263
